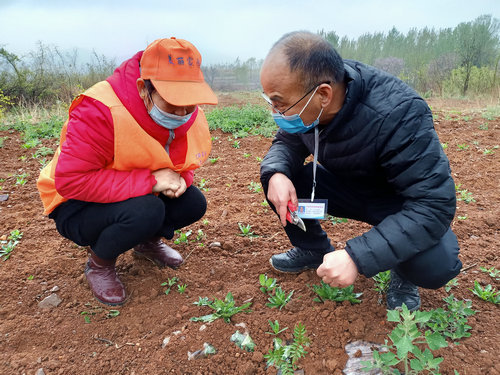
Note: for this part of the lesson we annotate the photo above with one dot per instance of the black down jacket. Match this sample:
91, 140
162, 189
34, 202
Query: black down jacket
382, 140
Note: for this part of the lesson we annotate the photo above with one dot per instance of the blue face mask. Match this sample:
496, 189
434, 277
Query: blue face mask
168, 120
293, 123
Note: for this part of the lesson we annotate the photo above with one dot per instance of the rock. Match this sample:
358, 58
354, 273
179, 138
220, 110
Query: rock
203, 327
3, 198
50, 301
215, 244
54, 289
165, 342
40, 372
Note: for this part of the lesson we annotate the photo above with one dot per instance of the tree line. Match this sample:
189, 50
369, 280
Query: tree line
455, 61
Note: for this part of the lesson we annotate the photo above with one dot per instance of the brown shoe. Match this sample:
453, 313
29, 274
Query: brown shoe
158, 252
103, 281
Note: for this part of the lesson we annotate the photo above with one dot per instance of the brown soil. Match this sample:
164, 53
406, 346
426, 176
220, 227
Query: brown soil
61, 342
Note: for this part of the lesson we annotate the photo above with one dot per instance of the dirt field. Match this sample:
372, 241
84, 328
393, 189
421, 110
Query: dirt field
61, 341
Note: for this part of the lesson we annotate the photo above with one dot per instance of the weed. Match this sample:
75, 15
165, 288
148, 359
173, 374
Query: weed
223, 309
246, 230
488, 293
452, 320
267, 284
11, 243
183, 237
382, 280
255, 187
492, 272
450, 284
465, 195
275, 328
327, 292
279, 299
285, 357
170, 283
405, 338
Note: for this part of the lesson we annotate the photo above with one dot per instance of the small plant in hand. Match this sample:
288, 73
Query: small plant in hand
451, 321
224, 309
406, 345
11, 243
246, 230
492, 272
275, 328
285, 357
327, 292
169, 284
488, 293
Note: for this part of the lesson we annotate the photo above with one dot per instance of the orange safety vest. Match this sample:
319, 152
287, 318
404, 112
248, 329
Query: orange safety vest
134, 148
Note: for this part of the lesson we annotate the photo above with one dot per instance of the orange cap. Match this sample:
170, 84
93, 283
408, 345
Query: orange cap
174, 68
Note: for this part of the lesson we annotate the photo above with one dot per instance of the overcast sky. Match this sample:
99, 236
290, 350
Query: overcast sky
222, 30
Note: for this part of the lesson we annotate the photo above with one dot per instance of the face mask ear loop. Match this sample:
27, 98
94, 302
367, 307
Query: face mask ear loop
315, 160
314, 92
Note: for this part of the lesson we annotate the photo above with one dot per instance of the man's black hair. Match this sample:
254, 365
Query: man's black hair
312, 57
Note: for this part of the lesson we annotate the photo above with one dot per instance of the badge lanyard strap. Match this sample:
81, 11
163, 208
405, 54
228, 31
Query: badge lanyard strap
315, 160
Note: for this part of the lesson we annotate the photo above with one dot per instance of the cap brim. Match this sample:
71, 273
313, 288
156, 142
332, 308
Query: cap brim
185, 93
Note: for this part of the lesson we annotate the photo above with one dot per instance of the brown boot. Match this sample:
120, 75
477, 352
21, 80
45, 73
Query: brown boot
158, 252
103, 281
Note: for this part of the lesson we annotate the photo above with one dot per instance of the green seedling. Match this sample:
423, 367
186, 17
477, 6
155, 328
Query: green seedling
223, 309
112, 314
243, 341
200, 235
202, 301
203, 185
213, 160
336, 220
382, 280
181, 288
275, 328
444, 145
9, 245
43, 151
30, 277
406, 345
246, 230
255, 187
183, 237
483, 126
258, 158
465, 195
285, 357
327, 292
279, 299
492, 272
488, 152
247, 155
32, 143
462, 217
488, 293
23, 158
2, 140
267, 284
21, 178
169, 283
451, 284
264, 203
452, 320
236, 144
463, 146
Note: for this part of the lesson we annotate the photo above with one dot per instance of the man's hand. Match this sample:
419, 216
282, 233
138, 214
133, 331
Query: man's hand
167, 179
176, 193
279, 192
338, 269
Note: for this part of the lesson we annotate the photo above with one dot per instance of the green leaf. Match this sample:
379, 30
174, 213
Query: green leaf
416, 365
435, 341
393, 316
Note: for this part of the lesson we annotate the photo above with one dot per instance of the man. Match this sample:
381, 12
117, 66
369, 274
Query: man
381, 162
122, 175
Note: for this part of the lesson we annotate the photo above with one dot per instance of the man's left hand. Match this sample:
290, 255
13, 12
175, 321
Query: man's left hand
338, 269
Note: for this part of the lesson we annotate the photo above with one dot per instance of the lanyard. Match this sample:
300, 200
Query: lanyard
315, 160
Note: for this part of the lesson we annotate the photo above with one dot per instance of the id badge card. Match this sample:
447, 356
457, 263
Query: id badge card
312, 210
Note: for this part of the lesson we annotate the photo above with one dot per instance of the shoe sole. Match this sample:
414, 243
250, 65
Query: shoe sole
291, 272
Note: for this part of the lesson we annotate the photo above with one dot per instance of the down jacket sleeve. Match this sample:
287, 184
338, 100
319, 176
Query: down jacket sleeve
89, 147
416, 167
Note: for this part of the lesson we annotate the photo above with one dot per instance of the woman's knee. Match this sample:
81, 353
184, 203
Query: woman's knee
145, 211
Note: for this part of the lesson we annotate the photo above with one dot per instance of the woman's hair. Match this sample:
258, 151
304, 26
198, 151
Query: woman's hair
312, 57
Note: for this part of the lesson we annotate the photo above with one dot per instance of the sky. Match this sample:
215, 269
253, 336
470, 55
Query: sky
222, 30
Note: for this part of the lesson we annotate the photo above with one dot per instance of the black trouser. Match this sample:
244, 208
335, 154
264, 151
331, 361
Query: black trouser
430, 269
110, 229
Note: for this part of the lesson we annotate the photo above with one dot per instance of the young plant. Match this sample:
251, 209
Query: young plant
224, 309
285, 357
492, 272
405, 338
255, 187
327, 292
203, 185
9, 246
21, 178
452, 320
465, 195
181, 288
336, 220
246, 230
279, 299
275, 327
463, 146
246, 155
183, 237
267, 284
450, 284
213, 160
112, 314
382, 280
488, 293
169, 283
236, 144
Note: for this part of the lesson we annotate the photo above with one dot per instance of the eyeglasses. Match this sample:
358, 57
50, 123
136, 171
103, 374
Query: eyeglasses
270, 102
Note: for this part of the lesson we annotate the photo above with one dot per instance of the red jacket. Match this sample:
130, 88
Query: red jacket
89, 147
